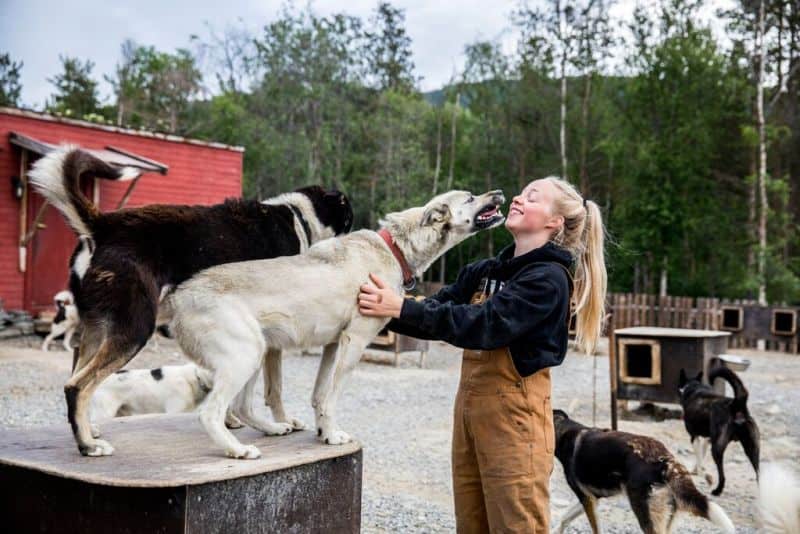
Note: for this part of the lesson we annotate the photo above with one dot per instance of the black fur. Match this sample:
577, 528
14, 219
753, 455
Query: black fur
719, 418
61, 314
608, 462
157, 374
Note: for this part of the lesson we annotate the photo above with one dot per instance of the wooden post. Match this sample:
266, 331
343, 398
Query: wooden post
612, 370
23, 211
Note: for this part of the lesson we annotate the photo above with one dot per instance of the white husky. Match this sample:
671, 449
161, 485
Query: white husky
227, 317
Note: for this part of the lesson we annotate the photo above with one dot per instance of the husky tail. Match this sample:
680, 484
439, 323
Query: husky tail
57, 178
779, 500
740, 393
689, 498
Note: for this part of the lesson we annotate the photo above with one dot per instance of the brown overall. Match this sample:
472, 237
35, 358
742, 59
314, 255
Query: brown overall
503, 443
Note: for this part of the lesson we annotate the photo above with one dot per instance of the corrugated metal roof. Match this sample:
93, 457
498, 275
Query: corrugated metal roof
114, 156
127, 131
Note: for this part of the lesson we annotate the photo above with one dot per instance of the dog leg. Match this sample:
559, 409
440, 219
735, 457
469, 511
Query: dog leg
749, 438
68, 338
638, 498
718, 447
56, 329
569, 516
330, 382
273, 388
108, 358
243, 409
700, 445
231, 421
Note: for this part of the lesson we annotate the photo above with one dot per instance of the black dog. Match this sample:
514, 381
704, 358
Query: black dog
706, 414
127, 260
601, 463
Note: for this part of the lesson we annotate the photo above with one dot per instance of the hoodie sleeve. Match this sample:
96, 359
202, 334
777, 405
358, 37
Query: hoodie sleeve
520, 306
459, 292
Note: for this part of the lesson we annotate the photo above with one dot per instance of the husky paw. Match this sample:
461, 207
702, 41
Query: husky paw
97, 447
336, 437
232, 422
278, 429
246, 452
297, 424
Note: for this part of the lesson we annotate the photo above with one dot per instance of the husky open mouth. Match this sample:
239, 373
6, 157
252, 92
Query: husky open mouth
490, 215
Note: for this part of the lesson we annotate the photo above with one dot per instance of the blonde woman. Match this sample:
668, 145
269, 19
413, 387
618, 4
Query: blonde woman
510, 314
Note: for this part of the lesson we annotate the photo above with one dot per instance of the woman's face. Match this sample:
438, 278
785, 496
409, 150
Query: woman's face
531, 211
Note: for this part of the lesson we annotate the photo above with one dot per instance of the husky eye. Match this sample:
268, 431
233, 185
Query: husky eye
470, 199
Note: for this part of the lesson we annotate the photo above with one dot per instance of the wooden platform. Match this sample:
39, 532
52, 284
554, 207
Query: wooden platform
167, 476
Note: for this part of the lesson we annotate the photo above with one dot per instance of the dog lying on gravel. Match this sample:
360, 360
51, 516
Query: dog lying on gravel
65, 322
601, 463
226, 317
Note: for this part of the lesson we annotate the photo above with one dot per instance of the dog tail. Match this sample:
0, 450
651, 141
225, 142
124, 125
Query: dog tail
740, 393
779, 500
57, 177
689, 498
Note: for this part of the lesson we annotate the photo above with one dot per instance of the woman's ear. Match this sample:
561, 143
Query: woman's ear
557, 221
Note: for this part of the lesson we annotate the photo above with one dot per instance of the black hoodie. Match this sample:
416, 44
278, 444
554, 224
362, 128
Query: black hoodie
527, 308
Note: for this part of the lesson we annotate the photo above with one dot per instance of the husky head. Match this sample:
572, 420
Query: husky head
687, 385
427, 232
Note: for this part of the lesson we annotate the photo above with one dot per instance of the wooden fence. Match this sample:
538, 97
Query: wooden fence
630, 309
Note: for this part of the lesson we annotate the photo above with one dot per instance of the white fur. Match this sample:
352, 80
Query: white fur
181, 389
48, 177
300, 201
779, 500
68, 325
226, 317
718, 516
83, 258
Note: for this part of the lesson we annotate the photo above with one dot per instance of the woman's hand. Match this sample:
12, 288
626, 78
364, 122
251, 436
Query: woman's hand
378, 300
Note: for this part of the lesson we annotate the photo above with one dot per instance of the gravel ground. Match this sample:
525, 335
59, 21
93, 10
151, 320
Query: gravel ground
402, 416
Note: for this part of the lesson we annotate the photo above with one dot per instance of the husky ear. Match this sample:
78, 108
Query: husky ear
699, 376
439, 213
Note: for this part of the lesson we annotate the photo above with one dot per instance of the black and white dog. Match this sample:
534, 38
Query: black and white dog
601, 463
709, 416
65, 322
127, 260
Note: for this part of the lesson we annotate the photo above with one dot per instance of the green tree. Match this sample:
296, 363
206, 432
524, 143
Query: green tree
389, 50
76, 89
10, 88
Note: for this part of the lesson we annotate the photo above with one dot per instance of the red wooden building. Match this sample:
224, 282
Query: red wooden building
36, 243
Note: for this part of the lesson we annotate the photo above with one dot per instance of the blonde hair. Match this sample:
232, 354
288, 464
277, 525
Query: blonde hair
583, 235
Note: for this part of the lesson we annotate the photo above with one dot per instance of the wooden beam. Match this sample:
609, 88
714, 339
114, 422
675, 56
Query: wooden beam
162, 169
35, 226
128, 193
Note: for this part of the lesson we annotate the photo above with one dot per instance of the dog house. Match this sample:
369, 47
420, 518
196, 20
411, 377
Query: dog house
783, 322
646, 361
732, 318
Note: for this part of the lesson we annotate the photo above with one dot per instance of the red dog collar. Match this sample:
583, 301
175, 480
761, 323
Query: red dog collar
408, 277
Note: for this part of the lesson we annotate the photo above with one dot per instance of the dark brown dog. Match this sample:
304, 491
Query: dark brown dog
127, 260
601, 463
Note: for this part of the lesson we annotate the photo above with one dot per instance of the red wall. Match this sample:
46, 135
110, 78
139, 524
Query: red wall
198, 174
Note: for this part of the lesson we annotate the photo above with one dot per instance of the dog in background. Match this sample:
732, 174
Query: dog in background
601, 463
127, 260
711, 417
167, 389
226, 317
65, 322
779, 500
